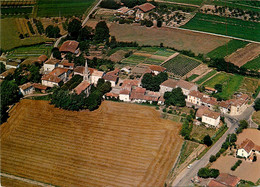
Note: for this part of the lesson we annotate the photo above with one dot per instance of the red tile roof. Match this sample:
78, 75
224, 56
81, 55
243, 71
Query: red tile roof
196, 94
170, 83
247, 145
123, 9
26, 86
184, 84
97, 73
224, 104
66, 63
69, 46
215, 183
51, 78
42, 58
157, 68
210, 89
79, 69
125, 92
58, 71
227, 179
110, 94
146, 7
209, 100
52, 61
114, 72
129, 82
39, 86
204, 111
81, 87
110, 77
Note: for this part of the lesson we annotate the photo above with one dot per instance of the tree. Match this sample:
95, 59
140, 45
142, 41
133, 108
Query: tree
212, 158
111, 4
159, 23
85, 34
101, 32
175, 97
56, 53
208, 173
2, 67
152, 83
257, 104
74, 28
132, 3
52, 32
207, 140
218, 87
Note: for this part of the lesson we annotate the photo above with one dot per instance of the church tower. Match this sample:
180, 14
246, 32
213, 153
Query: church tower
86, 72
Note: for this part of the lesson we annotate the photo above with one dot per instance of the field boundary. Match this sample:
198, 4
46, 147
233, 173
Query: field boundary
169, 58
25, 180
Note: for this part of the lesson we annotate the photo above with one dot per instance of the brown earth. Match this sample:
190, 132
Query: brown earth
117, 145
244, 55
252, 134
118, 55
8, 182
179, 39
49, 21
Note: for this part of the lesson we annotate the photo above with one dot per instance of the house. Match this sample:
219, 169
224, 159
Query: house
39, 87
126, 69
62, 73
142, 9
140, 95
224, 107
111, 95
84, 87
247, 147
41, 59
55, 77
6, 73
225, 180
210, 90
95, 76
12, 64
125, 11
194, 99
186, 86
124, 95
50, 65
207, 116
66, 64
209, 102
69, 46
26, 88
168, 86
161, 100
239, 105
112, 77
156, 69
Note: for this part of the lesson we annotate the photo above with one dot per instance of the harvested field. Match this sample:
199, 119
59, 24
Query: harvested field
224, 163
244, 55
256, 117
106, 147
179, 39
9, 182
252, 134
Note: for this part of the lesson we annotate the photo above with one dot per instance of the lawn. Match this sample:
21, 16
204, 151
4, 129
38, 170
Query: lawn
227, 49
253, 64
199, 131
57, 8
230, 84
226, 26
187, 148
205, 77
193, 2
192, 77
10, 37
181, 65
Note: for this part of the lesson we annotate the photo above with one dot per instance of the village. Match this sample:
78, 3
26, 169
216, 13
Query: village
132, 103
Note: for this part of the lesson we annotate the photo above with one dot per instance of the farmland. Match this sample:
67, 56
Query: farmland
205, 77
106, 147
193, 2
10, 35
249, 85
57, 8
181, 40
181, 65
230, 84
215, 24
256, 117
227, 49
253, 64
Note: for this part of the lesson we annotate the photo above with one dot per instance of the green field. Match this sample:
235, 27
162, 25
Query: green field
17, 12
205, 77
226, 26
253, 64
192, 77
31, 51
181, 65
56, 8
230, 84
193, 2
10, 37
227, 49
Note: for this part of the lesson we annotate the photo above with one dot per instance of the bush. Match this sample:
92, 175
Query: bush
207, 140
30, 27
212, 158
257, 104
164, 110
170, 111
234, 167
208, 173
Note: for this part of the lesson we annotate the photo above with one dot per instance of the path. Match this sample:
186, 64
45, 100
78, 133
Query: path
170, 57
25, 180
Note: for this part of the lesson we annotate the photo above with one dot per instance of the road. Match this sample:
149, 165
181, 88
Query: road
92, 10
184, 178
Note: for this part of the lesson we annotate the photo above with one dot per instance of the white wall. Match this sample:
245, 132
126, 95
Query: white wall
242, 153
164, 89
211, 121
49, 67
27, 91
124, 97
49, 84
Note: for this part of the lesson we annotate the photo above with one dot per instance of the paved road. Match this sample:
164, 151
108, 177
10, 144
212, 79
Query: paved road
92, 10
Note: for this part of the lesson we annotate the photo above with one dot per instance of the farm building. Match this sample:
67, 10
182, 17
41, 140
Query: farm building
141, 10
247, 147
207, 116
225, 180
55, 77
69, 46
50, 65
26, 88
168, 86
124, 95
186, 87
95, 76
125, 11
157, 69
39, 87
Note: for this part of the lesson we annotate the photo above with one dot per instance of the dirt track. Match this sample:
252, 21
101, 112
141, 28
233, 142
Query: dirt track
117, 145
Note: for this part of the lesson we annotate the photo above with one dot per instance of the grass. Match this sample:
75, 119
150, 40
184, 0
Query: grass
181, 65
227, 49
249, 85
199, 131
205, 77
192, 77
187, 149
256, 117
230, 84
10, 36
193, 2
56, 8
253, 64
226, 26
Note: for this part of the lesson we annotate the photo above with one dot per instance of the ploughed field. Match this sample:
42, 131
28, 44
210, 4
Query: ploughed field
119, 144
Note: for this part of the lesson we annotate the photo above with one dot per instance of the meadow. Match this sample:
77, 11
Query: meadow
112, 146
227, 49
230, 84
57, 8
192, 77
205, 77
253, 64
225, 26
181, 65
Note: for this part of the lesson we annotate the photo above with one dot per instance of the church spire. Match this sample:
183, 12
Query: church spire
86, 72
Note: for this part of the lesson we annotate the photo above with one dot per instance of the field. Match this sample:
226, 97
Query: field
10, 35
256, 117
188, 148
249, 85
230, 84
193, 2
205, 77
181, 65
112, 146
194, 76
31, 51
16, 12
57, 8
181, 40
253, 64
151, 55
198, 132
219, 25
227, 49
242, 56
